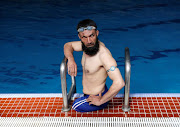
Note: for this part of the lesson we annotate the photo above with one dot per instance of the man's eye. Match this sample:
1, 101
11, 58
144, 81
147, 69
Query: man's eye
92, 35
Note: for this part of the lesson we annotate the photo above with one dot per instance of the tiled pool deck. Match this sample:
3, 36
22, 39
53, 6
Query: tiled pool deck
51, 107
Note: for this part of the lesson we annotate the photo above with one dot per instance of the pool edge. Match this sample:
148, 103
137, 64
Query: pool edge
80, 95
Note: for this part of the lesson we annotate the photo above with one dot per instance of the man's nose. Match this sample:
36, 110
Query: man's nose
88, 40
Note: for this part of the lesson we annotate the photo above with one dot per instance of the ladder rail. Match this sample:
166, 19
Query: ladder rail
66, 96
126, 106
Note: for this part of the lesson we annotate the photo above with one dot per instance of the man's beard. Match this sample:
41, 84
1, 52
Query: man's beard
91, 51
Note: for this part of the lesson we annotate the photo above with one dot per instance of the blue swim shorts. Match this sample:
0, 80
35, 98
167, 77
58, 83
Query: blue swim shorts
81, 105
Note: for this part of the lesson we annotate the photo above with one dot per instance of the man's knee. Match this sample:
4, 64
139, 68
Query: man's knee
78, 104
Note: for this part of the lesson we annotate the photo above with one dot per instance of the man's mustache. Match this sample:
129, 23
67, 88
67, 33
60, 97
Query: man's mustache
90, 44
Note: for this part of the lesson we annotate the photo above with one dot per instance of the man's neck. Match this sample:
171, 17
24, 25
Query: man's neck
88, 56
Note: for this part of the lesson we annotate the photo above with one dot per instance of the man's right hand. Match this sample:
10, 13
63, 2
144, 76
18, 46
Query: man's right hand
72, 67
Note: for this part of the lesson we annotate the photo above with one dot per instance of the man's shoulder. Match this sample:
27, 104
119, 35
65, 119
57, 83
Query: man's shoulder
104, 51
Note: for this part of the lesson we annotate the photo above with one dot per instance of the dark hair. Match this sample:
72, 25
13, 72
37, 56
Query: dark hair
85, 23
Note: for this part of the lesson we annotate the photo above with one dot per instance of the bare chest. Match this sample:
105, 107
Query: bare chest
91, 65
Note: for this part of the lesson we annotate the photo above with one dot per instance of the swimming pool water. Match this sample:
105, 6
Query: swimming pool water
32, 35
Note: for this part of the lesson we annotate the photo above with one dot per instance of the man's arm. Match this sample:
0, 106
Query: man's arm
68, 52
115, 76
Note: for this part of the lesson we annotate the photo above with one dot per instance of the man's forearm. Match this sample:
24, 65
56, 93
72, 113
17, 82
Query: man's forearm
112, 92
68, 51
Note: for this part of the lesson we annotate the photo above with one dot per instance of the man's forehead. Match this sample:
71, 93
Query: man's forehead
87, 32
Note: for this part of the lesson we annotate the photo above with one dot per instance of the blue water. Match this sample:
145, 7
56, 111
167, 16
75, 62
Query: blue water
32, 35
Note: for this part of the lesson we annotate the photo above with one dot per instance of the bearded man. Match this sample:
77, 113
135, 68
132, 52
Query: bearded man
97, 63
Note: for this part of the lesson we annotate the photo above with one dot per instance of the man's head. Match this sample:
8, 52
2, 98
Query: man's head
88, 33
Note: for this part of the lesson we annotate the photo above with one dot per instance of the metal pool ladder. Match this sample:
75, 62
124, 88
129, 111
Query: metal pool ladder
126, 106
67, 97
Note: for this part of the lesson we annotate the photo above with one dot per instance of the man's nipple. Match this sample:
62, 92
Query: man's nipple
87, 71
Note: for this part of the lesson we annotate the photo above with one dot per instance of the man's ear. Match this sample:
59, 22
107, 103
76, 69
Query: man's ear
97, 32
79, 36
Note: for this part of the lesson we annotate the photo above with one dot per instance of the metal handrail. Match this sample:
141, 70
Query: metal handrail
66, 97
126, 106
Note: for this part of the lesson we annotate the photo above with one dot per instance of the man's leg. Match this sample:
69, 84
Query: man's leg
81, 105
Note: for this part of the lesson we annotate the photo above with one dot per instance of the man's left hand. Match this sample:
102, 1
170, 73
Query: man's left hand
95, 100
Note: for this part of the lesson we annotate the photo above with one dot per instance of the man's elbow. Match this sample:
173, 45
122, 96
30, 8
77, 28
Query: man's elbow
66, 45
120, 85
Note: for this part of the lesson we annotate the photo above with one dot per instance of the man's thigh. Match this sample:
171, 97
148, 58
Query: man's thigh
81, 105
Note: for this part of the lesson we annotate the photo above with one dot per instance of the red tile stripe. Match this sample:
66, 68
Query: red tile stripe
51, 107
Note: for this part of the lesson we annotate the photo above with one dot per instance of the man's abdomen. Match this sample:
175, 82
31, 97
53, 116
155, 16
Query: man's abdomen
93, 86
